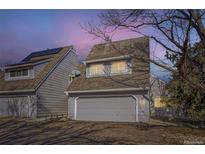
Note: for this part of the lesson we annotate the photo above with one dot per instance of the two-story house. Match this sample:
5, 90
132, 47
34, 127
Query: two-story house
35, 86
113, 84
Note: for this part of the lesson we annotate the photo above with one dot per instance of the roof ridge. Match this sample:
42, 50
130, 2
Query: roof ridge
50, 49
100, 51
121, 40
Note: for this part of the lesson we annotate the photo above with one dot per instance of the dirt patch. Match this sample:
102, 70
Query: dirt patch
55, 131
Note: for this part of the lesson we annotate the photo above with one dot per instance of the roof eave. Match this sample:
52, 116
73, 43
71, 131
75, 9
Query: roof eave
27, 65
18, 66
17, 91
108, 59
106, 90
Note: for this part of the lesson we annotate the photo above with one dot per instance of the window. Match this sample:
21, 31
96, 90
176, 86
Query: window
119, 67
19, 73
109, 68
96, 69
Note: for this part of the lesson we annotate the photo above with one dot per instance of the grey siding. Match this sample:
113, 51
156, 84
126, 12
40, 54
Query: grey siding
142, 105
3, 107
18, 106
38, 68
71, 110
51, 97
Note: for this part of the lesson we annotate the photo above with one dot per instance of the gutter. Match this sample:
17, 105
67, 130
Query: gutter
106, 90
17, 91
107, 59
27, 64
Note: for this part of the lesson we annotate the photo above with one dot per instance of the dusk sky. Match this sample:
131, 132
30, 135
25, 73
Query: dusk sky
26, 31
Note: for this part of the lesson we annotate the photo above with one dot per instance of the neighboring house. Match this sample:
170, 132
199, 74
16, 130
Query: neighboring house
156, 93
113, 84
35, 86
158, 107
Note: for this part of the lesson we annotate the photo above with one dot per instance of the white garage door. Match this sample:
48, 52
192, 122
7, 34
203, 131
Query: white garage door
106, 109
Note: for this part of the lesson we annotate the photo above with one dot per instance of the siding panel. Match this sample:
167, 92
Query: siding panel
51, 96
39, 68
3, 107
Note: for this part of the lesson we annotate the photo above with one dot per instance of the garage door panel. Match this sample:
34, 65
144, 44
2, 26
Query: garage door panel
106, 109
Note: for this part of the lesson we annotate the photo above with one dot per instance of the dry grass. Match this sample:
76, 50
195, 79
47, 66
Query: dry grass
22, 131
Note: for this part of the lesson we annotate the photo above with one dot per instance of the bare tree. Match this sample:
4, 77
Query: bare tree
22, 106
177, 31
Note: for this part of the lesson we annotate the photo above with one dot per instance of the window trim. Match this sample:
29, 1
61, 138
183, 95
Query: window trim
108, 65
126, 70
88, 72
21, 76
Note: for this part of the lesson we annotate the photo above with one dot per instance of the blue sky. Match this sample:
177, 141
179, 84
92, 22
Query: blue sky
26, 31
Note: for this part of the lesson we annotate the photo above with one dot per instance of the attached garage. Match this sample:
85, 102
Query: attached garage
107, 108
112, 85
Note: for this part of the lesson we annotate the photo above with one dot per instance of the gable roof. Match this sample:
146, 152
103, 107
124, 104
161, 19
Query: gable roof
116, 48
138, 79
32, 84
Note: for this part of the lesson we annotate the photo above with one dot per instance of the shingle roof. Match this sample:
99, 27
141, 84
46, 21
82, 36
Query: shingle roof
36, 57
140, 71
33, 83
117, 48
41, 53
134, 80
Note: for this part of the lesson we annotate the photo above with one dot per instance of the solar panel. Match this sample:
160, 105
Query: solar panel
20, 63
41, 53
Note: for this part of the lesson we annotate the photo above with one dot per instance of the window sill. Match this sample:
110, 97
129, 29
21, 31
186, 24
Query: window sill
113, 74
18, 78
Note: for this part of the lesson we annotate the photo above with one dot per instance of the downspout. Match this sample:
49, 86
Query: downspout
29, 106
75, 108
136, 105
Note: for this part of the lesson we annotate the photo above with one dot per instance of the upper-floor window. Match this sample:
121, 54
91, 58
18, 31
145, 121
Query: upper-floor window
96, 69
19, 73
119, 67
109, 68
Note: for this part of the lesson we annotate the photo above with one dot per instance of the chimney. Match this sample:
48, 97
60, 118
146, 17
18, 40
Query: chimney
108, 43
